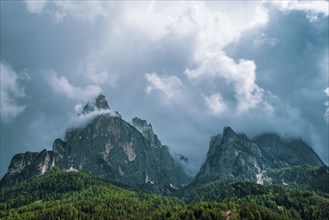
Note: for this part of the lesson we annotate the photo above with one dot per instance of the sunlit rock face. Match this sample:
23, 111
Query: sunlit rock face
108, 146
233, 155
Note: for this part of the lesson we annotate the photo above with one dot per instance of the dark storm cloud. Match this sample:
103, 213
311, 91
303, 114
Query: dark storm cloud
138, 56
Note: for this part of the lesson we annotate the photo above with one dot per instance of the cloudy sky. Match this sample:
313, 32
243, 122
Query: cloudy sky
188, 68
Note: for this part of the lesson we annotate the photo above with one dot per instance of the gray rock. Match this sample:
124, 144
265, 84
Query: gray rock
110, 147
282, 152
100, 104
233, 155
27, 165
147, 131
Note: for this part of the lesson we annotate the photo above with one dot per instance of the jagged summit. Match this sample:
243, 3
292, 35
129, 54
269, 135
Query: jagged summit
99, 104
233, 155
289, 150
147, 131
106, 146
228, 131
140, 123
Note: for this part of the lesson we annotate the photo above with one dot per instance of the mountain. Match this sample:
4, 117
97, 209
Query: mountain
235, 156
106, 146
282, 152
110, 169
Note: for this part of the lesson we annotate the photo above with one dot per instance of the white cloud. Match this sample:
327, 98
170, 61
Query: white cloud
35, 6
80, 10
312, 8
215, 104
242, 75
326, 91
10, 92
78, 108
97, 74
170, 86
77, 10
145, 19
81, 120
326, 114
212, 29
61, 85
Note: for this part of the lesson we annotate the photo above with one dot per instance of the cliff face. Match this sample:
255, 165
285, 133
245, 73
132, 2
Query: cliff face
27, 165
290, 152
110, 147
235, 156
232, 156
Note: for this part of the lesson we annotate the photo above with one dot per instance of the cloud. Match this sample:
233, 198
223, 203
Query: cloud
169, 86
35, 6
326, 91
80, 10
312, 8
81, 120
98, 75
255, 89
211, 31
241, 74
11, 91
326, 114
77, 10
216, 104
62, 86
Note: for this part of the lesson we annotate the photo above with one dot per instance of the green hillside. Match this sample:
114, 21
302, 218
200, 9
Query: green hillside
311, 177
76, 195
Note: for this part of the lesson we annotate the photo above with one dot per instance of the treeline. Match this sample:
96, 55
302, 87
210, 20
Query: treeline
295, 203
76, 195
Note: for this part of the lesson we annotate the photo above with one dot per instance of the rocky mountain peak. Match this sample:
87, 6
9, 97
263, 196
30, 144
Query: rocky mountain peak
290, 151
27, 165
140, 123
227, 131
100, 103
147, 131
106, 146
233, 155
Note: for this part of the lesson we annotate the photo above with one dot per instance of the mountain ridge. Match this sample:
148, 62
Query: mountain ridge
132, 154
107, 146
235, 156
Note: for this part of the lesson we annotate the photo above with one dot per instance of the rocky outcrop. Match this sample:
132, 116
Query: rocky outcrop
100, 103
233, 155
110, 147
147, 131
286, 152
27, 165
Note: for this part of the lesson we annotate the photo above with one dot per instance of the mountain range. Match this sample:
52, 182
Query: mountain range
131, 154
